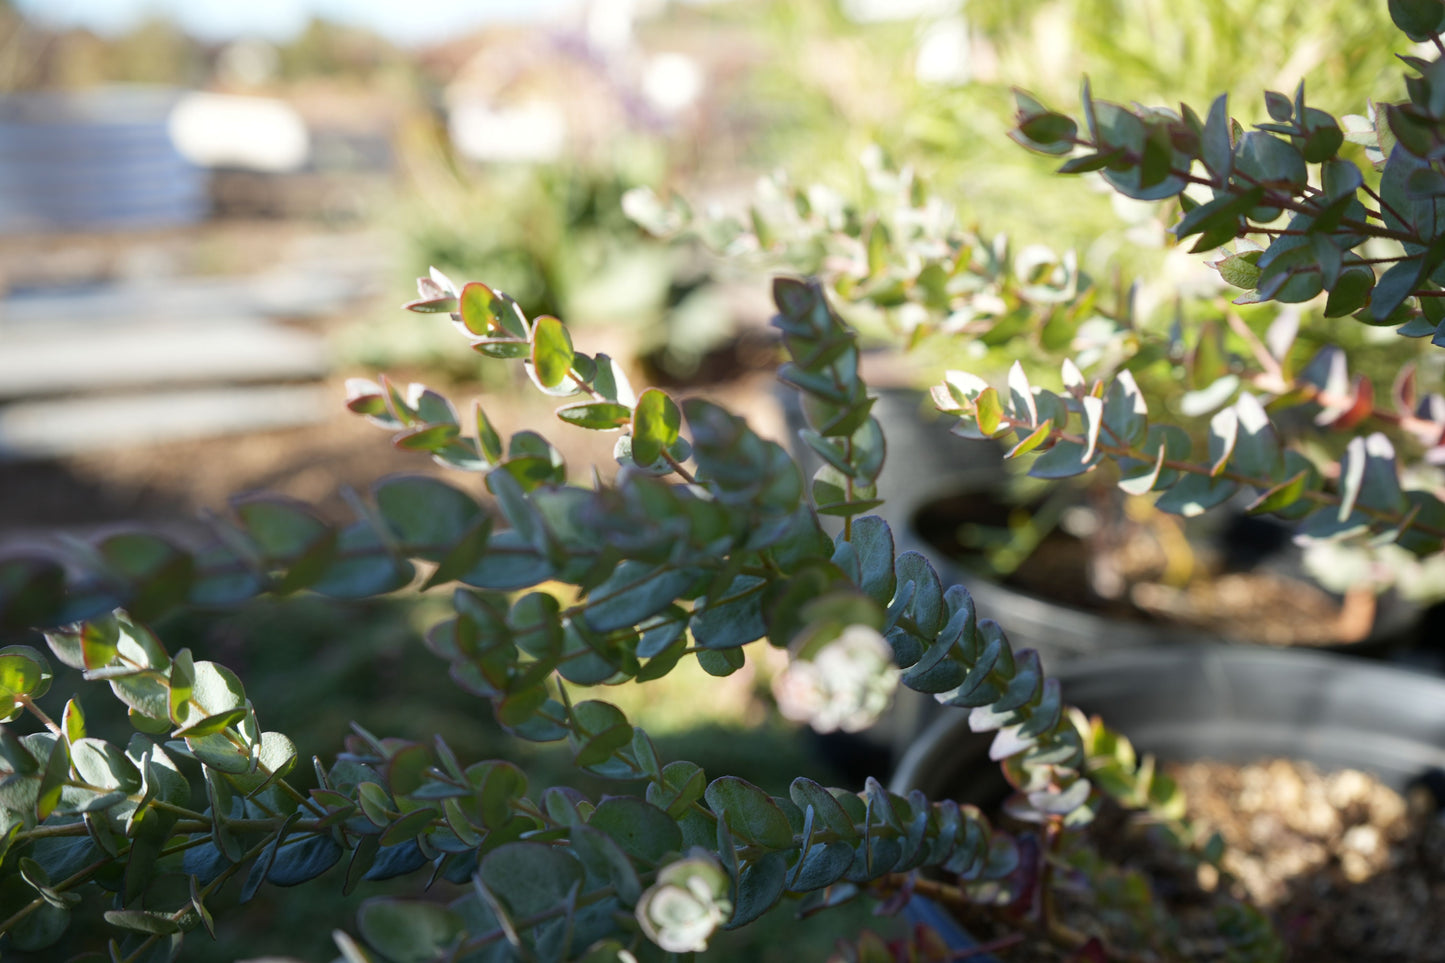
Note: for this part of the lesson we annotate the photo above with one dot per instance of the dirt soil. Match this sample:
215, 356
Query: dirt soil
1349, 870
1344, 868
1146, 569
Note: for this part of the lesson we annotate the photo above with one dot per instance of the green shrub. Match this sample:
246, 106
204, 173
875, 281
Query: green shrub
709, 540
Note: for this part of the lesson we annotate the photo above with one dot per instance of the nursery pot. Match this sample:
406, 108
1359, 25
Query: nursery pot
1229, 704
928, 467
1232, 704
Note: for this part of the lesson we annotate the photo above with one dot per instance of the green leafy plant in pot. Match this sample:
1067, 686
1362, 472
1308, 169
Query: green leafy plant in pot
1268, 405
708, 540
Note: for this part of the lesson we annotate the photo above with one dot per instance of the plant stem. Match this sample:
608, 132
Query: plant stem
39, 713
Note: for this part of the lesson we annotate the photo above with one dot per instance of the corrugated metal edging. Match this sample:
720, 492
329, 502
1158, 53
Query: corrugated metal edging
99, 159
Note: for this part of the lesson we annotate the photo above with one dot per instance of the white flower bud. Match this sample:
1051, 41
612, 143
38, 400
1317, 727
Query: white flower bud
846, 685
686, 904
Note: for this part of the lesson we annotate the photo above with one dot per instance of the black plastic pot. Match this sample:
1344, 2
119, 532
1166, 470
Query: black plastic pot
1228, 703
927, 464
1061, 629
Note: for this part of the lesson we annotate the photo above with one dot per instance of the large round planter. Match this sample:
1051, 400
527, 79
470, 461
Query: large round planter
1226, 703
927, 464
1060, 630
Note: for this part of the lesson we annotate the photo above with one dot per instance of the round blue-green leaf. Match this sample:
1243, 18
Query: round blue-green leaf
283, 528
392, 861
760, 886
425, 514
721, 662
159, 573
641, 829
1270, 160
302, 858
104, 765
1351, 292
683, 783
217, 752
530, 877
408, 827
635, 591
364, 565
605, 859
601, 730
406, 770
805, 792
498, 785
39, 929
1418, 19
408, 931
63, 856
749, 812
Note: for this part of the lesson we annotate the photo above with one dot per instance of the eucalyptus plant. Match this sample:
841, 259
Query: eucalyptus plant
1260, 401
1305, 222
707, 541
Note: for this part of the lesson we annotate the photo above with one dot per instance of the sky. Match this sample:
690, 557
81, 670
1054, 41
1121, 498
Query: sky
402, 21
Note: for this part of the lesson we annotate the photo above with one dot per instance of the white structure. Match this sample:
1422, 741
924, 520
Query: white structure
530, 132
672, 82
247, 133
944, 53
872, 11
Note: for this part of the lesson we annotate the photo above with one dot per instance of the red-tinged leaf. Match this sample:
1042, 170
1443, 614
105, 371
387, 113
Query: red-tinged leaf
475, 305
442, 305
428, 438
1035, 438
655, 425
1354, 410
401, 404
364, 397
551, 351
1403, 391
1281, 496
596, 415
988, 411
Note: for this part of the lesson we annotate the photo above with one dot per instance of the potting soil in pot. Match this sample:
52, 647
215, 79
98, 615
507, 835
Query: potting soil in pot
1139, 565
1350, 871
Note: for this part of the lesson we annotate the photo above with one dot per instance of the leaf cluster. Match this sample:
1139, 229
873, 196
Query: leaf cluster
707, 541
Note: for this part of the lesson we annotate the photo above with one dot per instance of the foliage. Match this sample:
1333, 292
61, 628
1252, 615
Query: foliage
670, 562
554, 236
831, 87
1294, 210
710, 540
